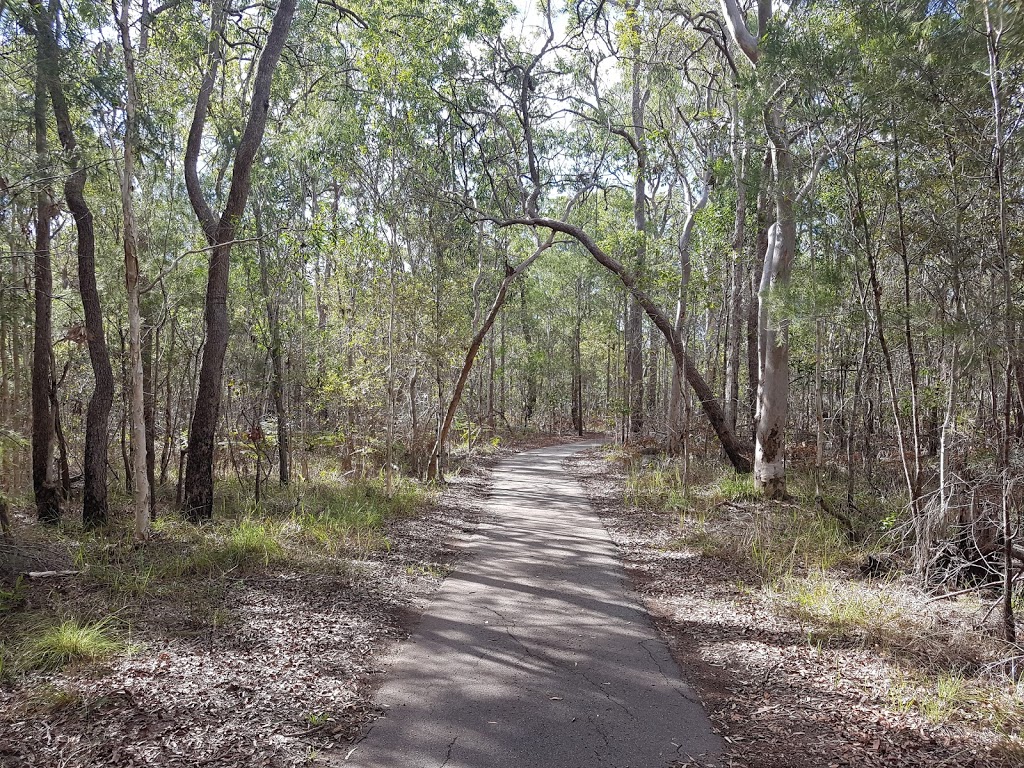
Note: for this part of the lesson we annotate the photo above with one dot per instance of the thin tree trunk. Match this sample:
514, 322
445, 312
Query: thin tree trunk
136, 376
732, 360
634, 315
433, 467
577, 379
993, 36
150, 360
273, 310
43, 487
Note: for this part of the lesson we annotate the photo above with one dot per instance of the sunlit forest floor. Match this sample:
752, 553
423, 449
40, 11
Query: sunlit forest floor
800, 658
254, 640
258, 639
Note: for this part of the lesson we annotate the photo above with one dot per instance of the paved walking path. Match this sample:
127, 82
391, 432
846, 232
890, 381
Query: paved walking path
533, 654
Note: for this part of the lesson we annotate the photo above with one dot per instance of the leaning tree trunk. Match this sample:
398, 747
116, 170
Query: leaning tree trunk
94, 498
43, 424
738, 454
220, 233
434, 465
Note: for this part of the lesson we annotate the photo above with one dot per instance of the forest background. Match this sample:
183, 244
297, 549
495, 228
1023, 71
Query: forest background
816, 207
251, 245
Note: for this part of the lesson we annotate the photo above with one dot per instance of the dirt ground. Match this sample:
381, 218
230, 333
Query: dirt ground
267, 668
276, 666
782, 696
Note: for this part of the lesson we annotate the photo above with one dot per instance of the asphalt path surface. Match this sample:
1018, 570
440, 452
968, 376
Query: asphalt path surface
534, 654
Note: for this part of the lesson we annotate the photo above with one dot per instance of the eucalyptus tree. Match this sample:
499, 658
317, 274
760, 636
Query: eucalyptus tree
220, 232
47, 497
130, 236
774, 373
94, 499
526, 103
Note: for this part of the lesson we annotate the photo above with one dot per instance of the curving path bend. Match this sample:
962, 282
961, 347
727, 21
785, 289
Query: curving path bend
534, 654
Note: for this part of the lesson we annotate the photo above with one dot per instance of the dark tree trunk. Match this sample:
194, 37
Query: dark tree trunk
220, 233
94, 498
577, 381
635, 367
149, 364
530, 402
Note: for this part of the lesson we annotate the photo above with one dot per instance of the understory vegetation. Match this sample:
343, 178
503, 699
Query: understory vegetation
301, 589
320, 526
850, 597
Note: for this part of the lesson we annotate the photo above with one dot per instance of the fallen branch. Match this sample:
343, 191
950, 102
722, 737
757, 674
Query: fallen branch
49, 574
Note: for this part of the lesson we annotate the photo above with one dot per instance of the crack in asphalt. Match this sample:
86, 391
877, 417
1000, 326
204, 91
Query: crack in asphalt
508, 630
604, 690
657, 663
600, 731
681, 691
449, 755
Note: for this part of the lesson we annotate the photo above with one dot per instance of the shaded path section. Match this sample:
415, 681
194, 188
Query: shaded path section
533, 654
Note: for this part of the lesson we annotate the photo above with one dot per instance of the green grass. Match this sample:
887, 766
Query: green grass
352, 516
723, 516
656, 485
253, 542
67, 643
736, 488
772, 543
842, 609
45, 700
942, 698
331, 519
317, 718
12, 598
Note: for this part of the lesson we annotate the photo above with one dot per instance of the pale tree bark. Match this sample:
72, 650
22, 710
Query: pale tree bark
758, 249
136, 379
773, 389
44, 487
773, 333
220, 233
